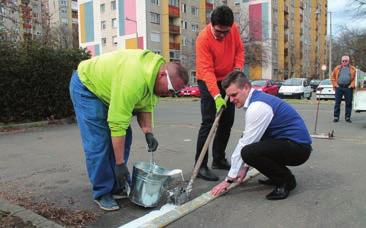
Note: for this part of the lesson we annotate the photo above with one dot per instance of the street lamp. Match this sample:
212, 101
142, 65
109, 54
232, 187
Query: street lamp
137, 36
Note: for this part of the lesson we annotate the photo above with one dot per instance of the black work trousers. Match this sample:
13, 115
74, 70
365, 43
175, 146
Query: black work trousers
271, 156
208, 112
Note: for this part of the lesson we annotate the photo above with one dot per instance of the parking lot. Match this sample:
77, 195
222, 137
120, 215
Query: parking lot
47, 164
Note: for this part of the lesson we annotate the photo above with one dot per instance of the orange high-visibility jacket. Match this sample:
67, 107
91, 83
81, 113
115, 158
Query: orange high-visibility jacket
335, 74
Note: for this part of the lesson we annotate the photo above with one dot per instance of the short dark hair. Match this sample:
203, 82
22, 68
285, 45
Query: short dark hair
222, 15
181, 72
235, 77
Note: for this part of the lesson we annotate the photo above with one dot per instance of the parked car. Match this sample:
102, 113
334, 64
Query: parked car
295, 87
193, 91
314, 84
278, 83
325, 90
266, 86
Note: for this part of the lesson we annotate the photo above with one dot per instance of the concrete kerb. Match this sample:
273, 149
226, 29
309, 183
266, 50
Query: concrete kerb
27, 215
6, 128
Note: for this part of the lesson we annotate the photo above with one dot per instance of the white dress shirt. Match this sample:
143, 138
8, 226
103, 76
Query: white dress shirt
257, 118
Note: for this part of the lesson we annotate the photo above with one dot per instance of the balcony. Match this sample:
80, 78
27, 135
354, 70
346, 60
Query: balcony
174, 11
175, 46
27, 26
174, 29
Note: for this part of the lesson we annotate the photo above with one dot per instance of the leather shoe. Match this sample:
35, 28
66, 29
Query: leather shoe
348, 120
335, 120
282, 191
206, 174
267, 182
221, 164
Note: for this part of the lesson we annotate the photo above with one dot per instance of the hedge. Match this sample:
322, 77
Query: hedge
34, 81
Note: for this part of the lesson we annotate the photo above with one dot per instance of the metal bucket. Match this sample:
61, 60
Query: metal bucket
148, 183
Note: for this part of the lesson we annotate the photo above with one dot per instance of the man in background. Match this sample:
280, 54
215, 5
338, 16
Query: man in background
343, 80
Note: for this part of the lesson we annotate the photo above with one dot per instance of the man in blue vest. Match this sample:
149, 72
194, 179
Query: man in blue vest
275, 136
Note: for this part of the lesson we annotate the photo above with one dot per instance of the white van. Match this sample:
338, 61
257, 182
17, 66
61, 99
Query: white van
359, 93
296, 88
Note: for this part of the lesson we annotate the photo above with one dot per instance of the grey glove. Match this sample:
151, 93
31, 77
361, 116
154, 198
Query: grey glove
122, 174
152, 143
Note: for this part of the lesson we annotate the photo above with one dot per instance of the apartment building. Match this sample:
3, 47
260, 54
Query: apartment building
20, 20
292, 34
167, 27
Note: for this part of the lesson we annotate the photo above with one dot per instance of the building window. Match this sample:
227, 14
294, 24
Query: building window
184, 8
194, 27
102, 8
184, 41
154, 18
114, 40
194, 11
155, 2
103, 25
174, 3
114, 23
104, 41
113, 5
155, 36
184, 24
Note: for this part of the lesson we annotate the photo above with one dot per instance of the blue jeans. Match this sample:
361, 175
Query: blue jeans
348, 93
91, 115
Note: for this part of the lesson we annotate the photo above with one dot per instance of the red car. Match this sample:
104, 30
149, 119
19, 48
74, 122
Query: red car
266, 86
193, 91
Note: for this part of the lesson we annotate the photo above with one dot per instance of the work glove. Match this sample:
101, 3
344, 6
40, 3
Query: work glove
122, 174
219, 102
152, 143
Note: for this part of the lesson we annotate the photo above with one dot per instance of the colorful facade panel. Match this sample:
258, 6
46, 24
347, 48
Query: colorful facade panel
86, 22
255, 22
94, 50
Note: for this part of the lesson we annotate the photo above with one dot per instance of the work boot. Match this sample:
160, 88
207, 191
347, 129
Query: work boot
206, 174
336, 119
348, 120
221, 164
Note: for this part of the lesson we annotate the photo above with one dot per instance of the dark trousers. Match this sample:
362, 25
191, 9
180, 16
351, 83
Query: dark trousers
339, 92
208, 112
271, 156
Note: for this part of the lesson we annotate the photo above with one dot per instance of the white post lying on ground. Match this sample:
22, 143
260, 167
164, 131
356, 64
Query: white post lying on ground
174, 213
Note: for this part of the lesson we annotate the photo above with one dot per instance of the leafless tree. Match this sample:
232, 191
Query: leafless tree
256, 51
359, 7
350, 42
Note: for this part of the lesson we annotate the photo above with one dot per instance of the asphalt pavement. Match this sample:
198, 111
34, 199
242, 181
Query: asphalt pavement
47, 164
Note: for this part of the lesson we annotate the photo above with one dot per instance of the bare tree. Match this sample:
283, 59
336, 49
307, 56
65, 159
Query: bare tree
350, 42
359, 7
256, 51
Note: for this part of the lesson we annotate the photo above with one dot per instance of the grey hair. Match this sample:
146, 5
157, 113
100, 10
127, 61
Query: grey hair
235, 77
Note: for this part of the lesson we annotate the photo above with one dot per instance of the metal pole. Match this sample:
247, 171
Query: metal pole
330, 44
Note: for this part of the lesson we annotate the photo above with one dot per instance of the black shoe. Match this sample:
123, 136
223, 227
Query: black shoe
348, 120
267, 182
335, 120
282, 191
206, 174
221, 164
